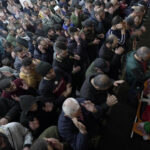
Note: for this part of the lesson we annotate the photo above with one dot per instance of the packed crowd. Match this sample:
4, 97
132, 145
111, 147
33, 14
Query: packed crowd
60, 65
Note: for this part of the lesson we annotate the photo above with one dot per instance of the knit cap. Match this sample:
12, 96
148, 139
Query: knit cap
43, 68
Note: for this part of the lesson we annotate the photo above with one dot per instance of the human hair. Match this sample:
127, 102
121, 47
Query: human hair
59, 46
61, 39
18, 49
100, 11
102, 81
6, 62
108, 5
26, 61
143, 52
110, 39
116, 20
72, 30
40, 144
7, 45
70, 106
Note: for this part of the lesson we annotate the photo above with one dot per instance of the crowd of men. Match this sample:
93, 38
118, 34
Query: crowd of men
60, 62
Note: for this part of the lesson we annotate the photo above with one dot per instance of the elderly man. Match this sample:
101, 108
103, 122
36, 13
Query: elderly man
137, 70
78, 121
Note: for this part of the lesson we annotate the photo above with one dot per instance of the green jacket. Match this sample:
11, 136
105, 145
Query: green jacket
76, 20
11, 39
135, 74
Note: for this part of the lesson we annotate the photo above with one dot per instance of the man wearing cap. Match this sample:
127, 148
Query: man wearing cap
53, 85
99, 65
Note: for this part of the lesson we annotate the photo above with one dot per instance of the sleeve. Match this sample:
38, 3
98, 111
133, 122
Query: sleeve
77, 140
13, 111
26, 134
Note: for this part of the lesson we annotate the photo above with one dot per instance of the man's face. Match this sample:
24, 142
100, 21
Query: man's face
20, 32
34, 124
51, 74
48, 107
77, 114
63, 54
12, 87
2, 16
22, 54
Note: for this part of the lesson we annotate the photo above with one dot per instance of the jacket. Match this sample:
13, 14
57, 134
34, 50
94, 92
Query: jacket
135, 74
31, 79
17, 135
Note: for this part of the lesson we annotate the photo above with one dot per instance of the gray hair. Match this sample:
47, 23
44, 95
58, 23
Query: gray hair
70, 106
143, 52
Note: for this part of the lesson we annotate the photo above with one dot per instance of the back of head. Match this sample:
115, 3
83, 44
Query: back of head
102, 81
70, 106
110, 39
26, 61
40, 144
5, 83
143, 52
116, 20
18, 49
59, 46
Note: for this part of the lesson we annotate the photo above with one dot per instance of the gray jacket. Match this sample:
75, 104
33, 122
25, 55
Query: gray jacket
18, 135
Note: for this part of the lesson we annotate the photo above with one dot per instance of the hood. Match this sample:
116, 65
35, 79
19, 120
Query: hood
26, 101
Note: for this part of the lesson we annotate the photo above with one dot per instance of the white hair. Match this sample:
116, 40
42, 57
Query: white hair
70, 106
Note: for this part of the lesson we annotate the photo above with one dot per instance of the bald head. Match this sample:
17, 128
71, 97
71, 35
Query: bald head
102, 82
70, 106
143, 53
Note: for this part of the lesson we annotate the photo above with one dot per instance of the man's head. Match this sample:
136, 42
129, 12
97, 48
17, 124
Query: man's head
45, 70
71, 108
61, 49
117, 21
27, 64
112, 41
101, 82
41, 144
143, 53
7, 85
21, 52
100, 14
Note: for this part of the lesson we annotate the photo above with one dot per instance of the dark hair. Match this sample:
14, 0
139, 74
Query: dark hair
26, 61
57, 27
116, 20
59, 46
72, 30
110, 39
40, 144
102, 81
7, 45
18, 49
6, 62
61, 39
108, 5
